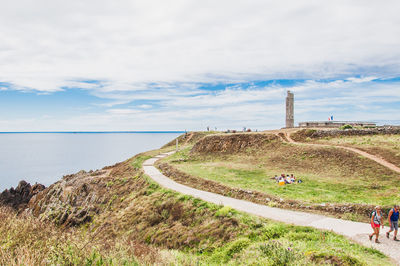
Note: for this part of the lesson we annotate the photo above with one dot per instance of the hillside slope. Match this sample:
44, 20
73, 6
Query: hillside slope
116, 215
336, 181
384, 143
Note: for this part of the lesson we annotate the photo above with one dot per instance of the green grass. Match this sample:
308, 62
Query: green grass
28, 241
258, 241
388, 141
139, 160
311, 190
324, 179
278, 244
386, 146
147, 225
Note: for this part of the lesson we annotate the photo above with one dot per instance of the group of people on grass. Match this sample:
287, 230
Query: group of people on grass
377, 222
282, 180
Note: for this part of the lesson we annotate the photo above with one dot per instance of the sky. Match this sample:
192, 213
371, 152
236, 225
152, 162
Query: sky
98, 65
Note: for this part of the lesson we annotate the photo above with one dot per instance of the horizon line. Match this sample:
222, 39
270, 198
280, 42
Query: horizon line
95, 132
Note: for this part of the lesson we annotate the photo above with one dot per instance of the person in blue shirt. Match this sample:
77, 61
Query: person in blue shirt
393, 218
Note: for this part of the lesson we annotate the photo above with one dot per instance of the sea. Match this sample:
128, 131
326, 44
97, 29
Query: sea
46, 157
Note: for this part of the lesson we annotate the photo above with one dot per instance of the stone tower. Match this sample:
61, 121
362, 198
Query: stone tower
289, 110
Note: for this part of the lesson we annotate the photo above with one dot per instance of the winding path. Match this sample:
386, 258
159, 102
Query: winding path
354, 230
377, 159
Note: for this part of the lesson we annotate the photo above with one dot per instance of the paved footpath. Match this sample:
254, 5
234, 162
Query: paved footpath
354, 230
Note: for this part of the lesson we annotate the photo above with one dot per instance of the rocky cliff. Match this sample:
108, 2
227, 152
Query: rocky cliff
19, 197
73, 200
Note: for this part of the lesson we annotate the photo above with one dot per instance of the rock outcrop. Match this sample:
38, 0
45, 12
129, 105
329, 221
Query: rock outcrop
19, 197
73, 200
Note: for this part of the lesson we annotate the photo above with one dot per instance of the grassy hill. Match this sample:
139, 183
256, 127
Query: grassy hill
118, 216
330, 175
386, 145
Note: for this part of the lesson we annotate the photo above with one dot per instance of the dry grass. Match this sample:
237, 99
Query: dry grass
141, 223
188, 138
330, 174
26, 240
385, 146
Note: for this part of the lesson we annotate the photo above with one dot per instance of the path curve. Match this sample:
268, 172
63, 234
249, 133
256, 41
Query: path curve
377, 159
189, 138
354, 230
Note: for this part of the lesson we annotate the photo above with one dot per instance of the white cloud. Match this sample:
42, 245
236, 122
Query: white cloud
361, 80
131, 44
148, 59
145, 106
123, 111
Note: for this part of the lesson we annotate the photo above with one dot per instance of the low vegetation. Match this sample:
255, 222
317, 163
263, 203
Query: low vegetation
385, 146
381, 142
328, 174
26, 240
189, 138
142, 223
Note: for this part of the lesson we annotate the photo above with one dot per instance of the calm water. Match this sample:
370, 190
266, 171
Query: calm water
46, 157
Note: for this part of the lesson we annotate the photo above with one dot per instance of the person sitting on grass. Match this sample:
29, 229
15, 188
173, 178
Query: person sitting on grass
292, 178
287, 180
393, 219
376, 223
281, 181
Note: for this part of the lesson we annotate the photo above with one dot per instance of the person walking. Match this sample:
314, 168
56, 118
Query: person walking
393, 219
376, 223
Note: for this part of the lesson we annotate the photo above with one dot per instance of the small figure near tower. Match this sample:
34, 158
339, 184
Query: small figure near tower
289, 110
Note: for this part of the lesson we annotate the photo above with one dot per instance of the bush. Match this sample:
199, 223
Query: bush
236, 247
225, 211
339, 259
303, 236
275, 231
346, 127
309, 132
277, 253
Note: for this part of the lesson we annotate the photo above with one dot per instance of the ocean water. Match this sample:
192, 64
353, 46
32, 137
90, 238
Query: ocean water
46, 157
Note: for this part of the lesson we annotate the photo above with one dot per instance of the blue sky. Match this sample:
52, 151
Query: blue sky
152, 65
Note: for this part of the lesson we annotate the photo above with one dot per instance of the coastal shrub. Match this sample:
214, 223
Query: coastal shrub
277, 253
225, 211
346, 127
138, 161
225, 254
236, 247
303, 236
339, 259
156, 226
309, 132
275, 231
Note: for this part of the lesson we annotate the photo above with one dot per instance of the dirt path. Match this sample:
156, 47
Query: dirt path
363, 153
189, 138
354, 230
